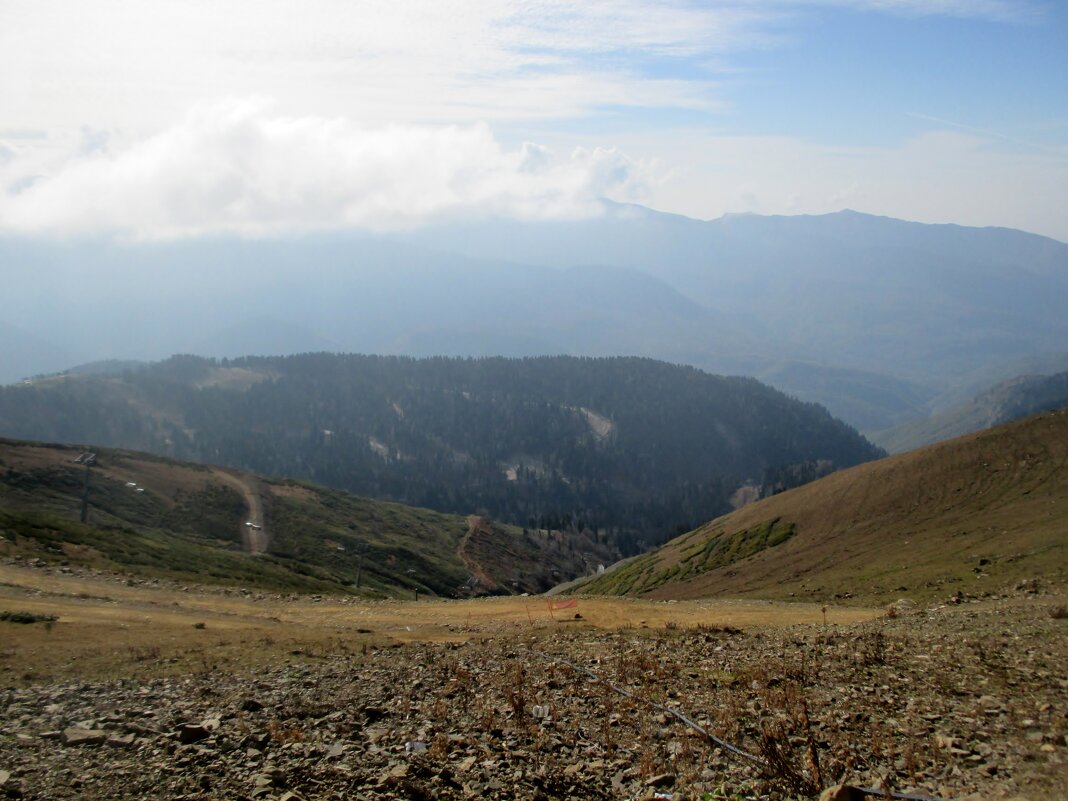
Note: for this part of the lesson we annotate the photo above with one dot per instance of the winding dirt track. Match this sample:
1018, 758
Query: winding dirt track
472, 565
254, 540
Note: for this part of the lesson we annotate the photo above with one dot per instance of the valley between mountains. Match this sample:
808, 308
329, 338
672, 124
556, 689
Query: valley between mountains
533, 400
897, 627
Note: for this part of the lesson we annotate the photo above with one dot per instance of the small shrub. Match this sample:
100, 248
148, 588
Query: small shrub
721, 794
783, 771
873, 649
283, 733
516, 691
147, 654
199, 625
1059, 613
27, 617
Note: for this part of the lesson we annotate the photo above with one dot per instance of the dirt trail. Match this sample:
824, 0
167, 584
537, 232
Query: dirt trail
253, 540
474, 522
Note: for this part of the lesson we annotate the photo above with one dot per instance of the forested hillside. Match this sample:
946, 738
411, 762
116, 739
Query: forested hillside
632, 449
1002, 403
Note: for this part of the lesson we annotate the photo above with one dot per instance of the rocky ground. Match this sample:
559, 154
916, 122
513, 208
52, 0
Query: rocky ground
952, 701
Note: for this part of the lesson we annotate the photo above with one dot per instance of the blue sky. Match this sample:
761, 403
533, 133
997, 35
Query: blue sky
857, 77
173, 118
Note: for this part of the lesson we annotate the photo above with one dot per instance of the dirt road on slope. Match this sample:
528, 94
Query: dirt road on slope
474, 522
254, 540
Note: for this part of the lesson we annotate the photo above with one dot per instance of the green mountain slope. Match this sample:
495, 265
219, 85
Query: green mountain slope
972, 514
156, 516
632, 449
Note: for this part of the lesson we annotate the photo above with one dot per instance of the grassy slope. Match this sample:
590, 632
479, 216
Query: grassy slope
919, 524
187, 524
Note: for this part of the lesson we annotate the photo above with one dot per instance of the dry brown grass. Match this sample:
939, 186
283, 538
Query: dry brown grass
976, 513
164, 478
108, 629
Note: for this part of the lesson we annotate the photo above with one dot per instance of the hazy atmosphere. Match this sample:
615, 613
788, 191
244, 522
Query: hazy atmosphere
534, 400
164, 119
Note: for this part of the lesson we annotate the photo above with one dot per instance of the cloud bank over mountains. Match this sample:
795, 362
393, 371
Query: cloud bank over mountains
236, 167
392, 115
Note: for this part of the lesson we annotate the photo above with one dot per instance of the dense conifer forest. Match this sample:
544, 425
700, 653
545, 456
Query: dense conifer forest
632, 450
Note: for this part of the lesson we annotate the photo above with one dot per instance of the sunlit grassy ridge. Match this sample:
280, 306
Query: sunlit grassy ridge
706, 553
970, 515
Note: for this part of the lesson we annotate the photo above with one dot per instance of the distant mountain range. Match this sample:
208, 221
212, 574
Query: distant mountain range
631, 449
1002, 403
874, 318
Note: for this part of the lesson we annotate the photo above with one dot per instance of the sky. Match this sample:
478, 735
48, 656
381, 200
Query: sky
178, 118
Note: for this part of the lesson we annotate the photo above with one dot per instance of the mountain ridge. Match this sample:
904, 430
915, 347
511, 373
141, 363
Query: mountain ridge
886, 300
511, 436
971, 515
1006, 401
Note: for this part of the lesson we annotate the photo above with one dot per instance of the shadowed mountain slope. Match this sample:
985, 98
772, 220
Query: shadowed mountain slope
1007, 401
632, 449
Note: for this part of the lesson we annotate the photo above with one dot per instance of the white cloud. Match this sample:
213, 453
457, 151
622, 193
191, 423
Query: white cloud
140, 65
236, 167
382, 110
999, 10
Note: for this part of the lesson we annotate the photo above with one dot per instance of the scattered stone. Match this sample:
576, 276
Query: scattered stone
843, 792
969, 701
946, 742
192, 733
334, 751
661, 780
75, 736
